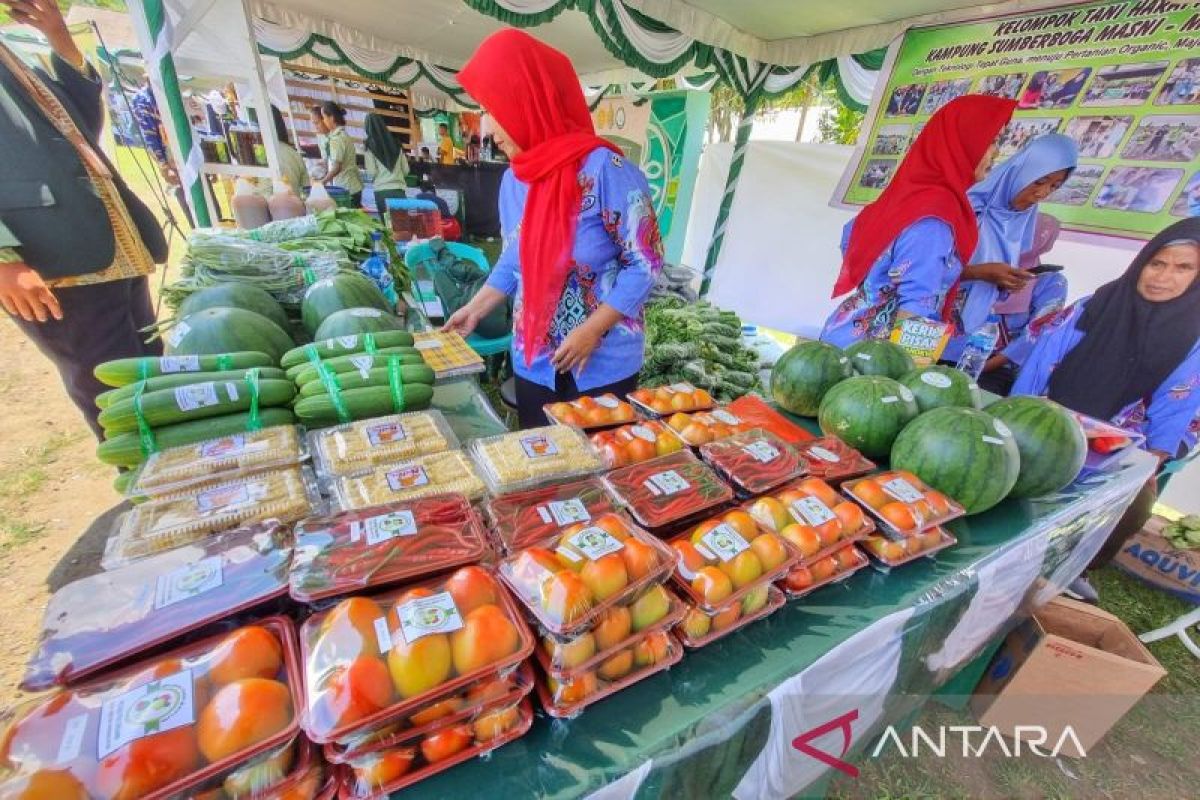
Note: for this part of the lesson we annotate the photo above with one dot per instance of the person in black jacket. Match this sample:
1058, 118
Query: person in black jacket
76, 245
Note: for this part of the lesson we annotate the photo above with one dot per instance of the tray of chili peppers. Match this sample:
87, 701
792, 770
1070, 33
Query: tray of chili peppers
522, 519
753, 462
755, 412
1105, 442
831, 459
668, 491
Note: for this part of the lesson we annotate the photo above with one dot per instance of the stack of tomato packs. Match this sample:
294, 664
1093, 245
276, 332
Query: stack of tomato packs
910, 516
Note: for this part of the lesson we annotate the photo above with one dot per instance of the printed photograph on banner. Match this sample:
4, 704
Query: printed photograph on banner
1142, 189
1019, 132
942, 92
1079, 187
1161, 138
905, 100
878, 172
891, 140
1182, 87
1124, 84
1188, 202
1001, 85
1054, 88
1098, 137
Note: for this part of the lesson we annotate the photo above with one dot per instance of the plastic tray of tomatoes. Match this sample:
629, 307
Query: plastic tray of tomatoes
887, 553
162, 725
706, 426
522, 519
1105, 442
723, 559
655, 653
104, 619
292, 771
633, 444
902, 502
700, 627
813, 517
355, 551
666, 400
834, 567
567, 582
753, 411
754, 461
668, 491
591, 413
368, 660
621, 627
831, 459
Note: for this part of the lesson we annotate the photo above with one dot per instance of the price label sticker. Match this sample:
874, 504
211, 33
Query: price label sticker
196, 395
762, 451
824, 455
383, 527
721, 415
607, 401
538, 446
568, 512
383, 635
682, 388
902, 490
171, 364
187, 581
384, 433
811, 511
225, 498
71, 744
176, 334
363, 363
156, 707
370, 313
666, 483
409, 476
224, 447
424, 616
348, 342
725, 542
595, 542
642, 432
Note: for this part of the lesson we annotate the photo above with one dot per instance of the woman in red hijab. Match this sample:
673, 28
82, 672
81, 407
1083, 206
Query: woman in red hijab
905, 251
582, 247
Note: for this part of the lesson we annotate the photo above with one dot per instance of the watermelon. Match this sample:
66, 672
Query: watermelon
234, 295
966, 454
1050, 440
227, 330
867, 412
343, 290
354, 321
804, 374
936, 386
878, 357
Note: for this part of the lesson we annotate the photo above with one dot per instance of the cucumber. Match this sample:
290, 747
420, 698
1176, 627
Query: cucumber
125, 449
413, 373
123, 371
374, 401
359, 362
345, 345
197, 401
106, 399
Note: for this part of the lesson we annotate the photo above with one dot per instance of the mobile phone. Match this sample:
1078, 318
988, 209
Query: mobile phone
1042, 269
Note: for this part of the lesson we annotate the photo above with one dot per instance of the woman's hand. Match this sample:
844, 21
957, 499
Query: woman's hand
1001, 274
466, 319
24, 294
573, 354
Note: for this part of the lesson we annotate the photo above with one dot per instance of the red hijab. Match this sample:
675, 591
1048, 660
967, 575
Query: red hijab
532, 91
932, 181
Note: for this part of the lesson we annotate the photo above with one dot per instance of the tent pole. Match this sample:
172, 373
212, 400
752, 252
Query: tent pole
150, 20
262, 100
731, 183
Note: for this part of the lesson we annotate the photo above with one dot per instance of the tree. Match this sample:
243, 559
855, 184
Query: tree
840, 124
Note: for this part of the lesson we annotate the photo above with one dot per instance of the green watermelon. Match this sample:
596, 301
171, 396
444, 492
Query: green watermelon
878, 357
343, 290
867, 412
354, 321
804, 374
227, 330
936, 386
234, 295
1050, 440
966, 454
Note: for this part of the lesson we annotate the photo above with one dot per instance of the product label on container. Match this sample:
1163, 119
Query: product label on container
176, 334
538, 446
188, 581
595, 542
902, 490
762, 452
196, 395
564, 512
811, 511
383, 527
228, 446
666, 483
169, 364
725, 542
427, 615
71, 743
223, 498
408, 477
681, 388
348, 342
824, 455
383, 634
363, 364
386, 433
604, 401
642, 432
721, 415
157, 707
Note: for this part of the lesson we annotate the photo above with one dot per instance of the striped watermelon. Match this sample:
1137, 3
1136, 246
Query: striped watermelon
1050, 439
234, 295
226, 330
879, 357
867, 412
343, 290
803, 375
936, 386
354, 321
966, 454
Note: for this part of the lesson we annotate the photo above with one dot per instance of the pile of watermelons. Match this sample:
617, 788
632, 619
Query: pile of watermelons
930, 421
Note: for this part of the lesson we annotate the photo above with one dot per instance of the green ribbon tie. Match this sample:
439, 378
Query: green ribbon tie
145, 433
396, 382
253, 423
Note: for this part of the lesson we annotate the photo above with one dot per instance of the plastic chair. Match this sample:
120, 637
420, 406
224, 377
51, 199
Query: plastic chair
419, 252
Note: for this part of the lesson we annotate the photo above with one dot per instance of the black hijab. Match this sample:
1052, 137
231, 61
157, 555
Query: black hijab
381, 142
1130, 345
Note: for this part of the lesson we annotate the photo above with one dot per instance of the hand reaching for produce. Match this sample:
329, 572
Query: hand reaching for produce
1002, 275
466, 319
23, 293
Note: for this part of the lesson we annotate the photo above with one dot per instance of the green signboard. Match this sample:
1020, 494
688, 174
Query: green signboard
1121, 78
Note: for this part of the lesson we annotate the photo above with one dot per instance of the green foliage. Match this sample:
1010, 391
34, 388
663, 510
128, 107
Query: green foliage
840, 124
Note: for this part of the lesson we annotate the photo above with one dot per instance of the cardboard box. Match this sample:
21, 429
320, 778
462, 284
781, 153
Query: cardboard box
1149, 557
1071, 664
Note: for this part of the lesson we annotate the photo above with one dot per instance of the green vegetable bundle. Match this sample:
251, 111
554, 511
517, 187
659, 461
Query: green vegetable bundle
700, 344
1183, 534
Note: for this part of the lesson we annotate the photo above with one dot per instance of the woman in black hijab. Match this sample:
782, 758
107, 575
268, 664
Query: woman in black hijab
385, 162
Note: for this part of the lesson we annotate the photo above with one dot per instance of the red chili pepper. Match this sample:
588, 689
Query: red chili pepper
1108, 444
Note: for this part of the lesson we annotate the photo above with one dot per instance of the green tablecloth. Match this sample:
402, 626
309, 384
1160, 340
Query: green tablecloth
855, 656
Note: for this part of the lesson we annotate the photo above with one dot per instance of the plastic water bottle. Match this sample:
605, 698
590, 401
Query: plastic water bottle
979, 347
377, 268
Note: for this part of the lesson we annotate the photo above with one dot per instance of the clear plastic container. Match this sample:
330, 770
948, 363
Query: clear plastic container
666, 400
178, 469
104, 619
589, 413
832, 567
754, 461
667, 492
284, 495
530, 458
633, 444
902, 503
447, 354
706, 426
755, 413
355, 551
292, 771
439, 473
657, 652
700, 627
161, 726
569, 581
831, 459
1106, 442
369, 660
365, 444
522, 519
725, 558
887, 553
813, 517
